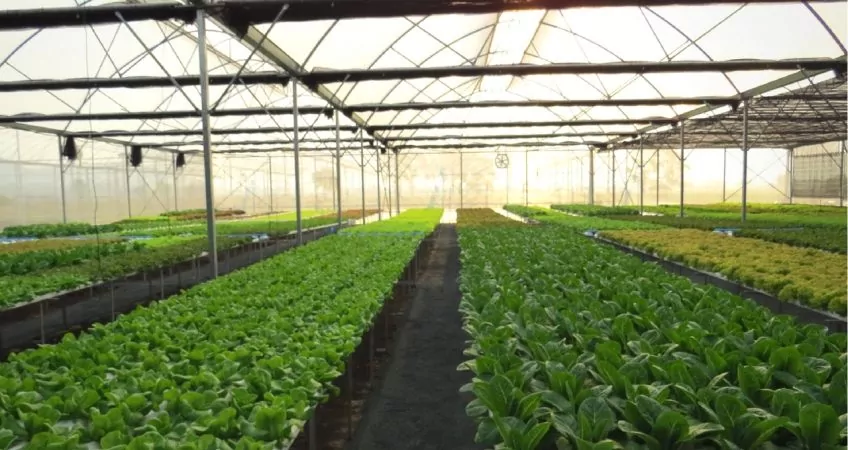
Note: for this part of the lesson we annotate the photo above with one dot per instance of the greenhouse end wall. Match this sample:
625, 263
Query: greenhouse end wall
96, 183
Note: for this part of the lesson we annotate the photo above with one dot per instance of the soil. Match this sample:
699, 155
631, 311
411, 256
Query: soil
418, 405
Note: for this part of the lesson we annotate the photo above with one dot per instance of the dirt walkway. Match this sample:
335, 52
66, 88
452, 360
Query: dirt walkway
418, 406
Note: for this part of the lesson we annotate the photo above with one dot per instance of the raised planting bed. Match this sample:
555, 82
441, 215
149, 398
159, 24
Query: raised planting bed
576, 345
239, 362
47, 318
804, 314
812, 277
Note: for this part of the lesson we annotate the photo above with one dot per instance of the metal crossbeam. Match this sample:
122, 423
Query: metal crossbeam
141, 82
613, 102
248, 12
159, 115
196, 132
318, 77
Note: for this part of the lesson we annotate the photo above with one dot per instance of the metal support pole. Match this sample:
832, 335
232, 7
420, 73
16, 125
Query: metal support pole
842, 175
591, 177
641, 177
397, 182
612, 165
362, 174
338, 172
724, 178
526, 178
62, 181
207, 141
176, 200
296, 146
744, 160
657, 155
389, 179
127, 170
682, 162
270, 185
790, 166
461, 189
379, 194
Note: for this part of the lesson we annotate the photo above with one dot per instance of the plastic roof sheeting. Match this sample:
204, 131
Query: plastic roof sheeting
589, 35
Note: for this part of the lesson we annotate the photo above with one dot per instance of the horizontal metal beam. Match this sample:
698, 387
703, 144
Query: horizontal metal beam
578, 123
247, 12
142, 82
220, 131
668, 101
160, 115
317, 77
635, 67
327, 110
18, 19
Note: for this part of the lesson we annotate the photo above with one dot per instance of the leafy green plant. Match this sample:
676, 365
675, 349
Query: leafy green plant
621, 354
239, 362
814, 277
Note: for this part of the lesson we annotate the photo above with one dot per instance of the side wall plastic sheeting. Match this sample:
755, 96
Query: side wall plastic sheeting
819, 172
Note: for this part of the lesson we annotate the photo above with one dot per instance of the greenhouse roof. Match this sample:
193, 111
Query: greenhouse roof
433, 75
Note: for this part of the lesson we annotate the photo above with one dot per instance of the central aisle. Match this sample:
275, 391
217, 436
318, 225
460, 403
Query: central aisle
419, 406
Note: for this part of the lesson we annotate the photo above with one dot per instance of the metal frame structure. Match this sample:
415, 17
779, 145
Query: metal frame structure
759, 117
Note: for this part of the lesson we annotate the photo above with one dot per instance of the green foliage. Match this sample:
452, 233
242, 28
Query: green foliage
21, 263
476, 217
410, 221
578, 223
21, 288
830, 239
239, 362
597, 210
814, 277
614, 353
57, 229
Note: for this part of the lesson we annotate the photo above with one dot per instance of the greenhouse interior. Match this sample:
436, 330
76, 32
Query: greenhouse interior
423, 224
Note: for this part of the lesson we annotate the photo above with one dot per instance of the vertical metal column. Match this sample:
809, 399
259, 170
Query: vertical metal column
526, 179
379, 199
397, 181
744, 160
362, 173
657, 155
842, 175
270, 185
389, 179
176, 200
682, 168
127, 170
790, 163
296, 146
612, 166
591, 176
338, 172
461, 189
62, 180
724, 178
207, 141
641, 176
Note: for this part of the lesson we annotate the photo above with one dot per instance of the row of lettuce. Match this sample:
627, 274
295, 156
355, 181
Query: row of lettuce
30, 269
822, 227
236, 363
809, 276
80, 228
575, 345
188, 222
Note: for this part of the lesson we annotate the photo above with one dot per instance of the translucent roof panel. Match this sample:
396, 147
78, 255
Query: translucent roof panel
579, 35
